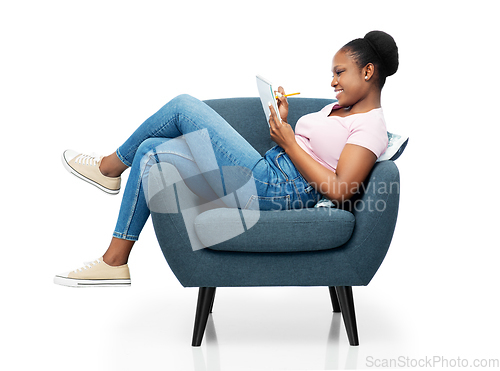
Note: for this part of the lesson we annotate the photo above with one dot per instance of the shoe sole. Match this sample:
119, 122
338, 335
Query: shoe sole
90, 181
73, 282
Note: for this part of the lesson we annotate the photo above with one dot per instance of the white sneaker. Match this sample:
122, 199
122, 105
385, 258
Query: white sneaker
95, 274
86, 167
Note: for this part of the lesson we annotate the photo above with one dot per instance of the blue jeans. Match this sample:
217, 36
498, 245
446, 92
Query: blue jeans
167, 136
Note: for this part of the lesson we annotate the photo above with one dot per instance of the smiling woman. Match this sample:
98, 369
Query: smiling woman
370, 59
329, 155
335, 149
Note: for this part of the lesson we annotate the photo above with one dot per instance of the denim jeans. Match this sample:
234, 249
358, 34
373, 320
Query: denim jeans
167, 136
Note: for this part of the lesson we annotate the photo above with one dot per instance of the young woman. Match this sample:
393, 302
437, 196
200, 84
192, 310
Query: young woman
330, 153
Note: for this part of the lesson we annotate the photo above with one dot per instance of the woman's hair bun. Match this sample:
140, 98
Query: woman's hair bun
386, 49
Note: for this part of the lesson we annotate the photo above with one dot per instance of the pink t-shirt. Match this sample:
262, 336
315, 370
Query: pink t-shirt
324, 137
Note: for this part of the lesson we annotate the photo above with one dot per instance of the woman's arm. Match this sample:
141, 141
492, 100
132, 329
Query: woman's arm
353, 167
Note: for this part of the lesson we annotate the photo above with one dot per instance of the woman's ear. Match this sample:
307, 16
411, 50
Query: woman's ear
368, 71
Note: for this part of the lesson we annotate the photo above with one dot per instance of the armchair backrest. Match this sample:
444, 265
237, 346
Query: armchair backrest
247, 116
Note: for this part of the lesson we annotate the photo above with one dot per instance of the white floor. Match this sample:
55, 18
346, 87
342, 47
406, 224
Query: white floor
149, 326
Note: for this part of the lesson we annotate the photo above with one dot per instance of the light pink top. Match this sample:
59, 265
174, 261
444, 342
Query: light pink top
324, 137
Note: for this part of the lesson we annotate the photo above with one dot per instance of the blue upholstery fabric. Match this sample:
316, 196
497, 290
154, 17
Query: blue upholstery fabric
247, 117
291, 230
353, 263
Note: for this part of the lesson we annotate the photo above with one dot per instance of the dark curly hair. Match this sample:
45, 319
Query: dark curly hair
378, 48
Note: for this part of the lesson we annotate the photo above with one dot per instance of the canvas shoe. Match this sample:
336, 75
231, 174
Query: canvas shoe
95, 274
86, 167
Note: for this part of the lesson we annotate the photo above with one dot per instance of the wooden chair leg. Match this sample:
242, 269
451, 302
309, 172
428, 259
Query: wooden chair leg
347, 307
205, 301
335, 299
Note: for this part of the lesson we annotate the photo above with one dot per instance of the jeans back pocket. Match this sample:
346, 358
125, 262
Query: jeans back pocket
277, 203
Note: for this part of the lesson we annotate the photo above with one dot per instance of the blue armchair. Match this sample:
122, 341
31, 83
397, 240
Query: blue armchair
333, 247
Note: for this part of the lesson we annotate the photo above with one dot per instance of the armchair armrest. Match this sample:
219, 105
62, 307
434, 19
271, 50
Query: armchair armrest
376, 211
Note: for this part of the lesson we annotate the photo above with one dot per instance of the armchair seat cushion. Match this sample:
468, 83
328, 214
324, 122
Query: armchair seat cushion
311, 229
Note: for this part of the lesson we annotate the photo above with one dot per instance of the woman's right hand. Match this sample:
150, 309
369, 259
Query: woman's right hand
282, 104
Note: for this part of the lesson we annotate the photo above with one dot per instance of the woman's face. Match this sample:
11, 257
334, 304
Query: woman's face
348, 79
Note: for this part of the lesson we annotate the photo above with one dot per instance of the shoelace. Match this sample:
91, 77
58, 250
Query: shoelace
93, 159
87, 265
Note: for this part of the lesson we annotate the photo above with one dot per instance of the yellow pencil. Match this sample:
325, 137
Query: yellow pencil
287, 95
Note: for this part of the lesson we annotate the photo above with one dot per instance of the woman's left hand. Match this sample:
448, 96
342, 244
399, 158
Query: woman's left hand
281, 132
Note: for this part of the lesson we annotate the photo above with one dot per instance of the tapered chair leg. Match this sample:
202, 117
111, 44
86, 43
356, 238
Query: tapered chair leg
205, 301
347, 306
213, 298
335, 299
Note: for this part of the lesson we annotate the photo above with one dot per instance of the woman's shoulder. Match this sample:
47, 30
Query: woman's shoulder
372, 121
374, 115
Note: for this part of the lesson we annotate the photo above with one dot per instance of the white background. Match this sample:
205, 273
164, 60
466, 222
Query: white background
84, 74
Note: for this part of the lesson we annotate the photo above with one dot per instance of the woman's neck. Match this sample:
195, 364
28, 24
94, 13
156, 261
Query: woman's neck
371, 101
